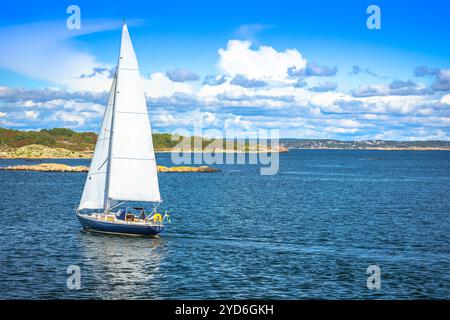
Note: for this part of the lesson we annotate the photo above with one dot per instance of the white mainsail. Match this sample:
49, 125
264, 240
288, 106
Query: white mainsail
128, 170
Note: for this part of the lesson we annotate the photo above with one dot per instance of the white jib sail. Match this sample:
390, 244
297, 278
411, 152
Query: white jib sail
133, 175
94, 190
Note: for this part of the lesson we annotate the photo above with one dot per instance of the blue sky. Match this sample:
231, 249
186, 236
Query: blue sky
309, 68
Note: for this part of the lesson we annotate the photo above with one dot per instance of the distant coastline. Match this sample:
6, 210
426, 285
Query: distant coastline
380, 149
388, 145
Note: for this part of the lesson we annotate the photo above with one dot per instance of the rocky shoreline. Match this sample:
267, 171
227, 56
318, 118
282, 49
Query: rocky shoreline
36, 151
47, 167
187, 169
58, 167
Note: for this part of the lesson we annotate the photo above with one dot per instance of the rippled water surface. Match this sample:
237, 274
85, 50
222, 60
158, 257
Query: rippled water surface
310, 231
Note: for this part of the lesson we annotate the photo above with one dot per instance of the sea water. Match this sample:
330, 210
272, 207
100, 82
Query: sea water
310, 231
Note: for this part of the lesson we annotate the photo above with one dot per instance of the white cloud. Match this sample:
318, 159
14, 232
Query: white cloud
237, 123
98, 83
159, 85
263, 63
379, 111
341, 130
446, 99
347, 123
184, 119
71, 119
371, 116
31, 115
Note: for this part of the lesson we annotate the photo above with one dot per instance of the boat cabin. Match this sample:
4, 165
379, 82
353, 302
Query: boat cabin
132, 214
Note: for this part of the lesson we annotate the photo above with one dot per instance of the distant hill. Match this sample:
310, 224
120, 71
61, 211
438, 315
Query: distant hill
54, 138
365, 144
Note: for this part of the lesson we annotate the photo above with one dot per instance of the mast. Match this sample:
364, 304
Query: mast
106, 205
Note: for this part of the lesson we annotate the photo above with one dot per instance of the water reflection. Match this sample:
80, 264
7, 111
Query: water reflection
118, 267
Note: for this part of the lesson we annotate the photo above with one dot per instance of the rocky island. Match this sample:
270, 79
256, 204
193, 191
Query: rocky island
47, 167
187, 169
58, 167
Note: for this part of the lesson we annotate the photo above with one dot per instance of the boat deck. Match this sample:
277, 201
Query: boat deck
113, 219
108, 223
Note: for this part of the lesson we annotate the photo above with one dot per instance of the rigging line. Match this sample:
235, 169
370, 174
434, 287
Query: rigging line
102, 164
108, 169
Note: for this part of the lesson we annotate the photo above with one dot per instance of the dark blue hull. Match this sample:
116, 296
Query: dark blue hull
118, 228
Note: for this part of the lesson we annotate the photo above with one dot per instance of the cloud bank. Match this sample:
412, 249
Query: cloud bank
254, 87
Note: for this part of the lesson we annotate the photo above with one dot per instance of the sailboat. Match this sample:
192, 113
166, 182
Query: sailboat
123, 167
